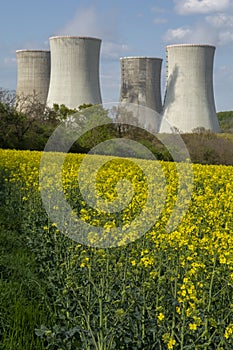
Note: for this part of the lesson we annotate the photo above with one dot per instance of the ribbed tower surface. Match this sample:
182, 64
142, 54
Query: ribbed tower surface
189, 99
141, 92
141, 81
74, 71
33, 74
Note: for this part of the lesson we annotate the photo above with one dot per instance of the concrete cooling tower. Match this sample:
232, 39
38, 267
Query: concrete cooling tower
74, 71
33, 75
140, 95
141, 81
189, 99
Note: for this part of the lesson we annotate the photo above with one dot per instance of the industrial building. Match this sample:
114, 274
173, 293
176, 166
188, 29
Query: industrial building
141, 81
69, 74
33, 75
189, 98
140, 92
74, 71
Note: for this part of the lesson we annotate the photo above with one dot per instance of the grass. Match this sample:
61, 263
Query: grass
22, 306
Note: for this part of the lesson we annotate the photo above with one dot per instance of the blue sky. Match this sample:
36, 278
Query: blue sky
127, 28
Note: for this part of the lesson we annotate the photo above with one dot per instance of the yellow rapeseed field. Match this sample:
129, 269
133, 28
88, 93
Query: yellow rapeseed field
158, 290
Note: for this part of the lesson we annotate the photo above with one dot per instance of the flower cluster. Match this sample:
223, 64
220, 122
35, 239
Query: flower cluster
172, 290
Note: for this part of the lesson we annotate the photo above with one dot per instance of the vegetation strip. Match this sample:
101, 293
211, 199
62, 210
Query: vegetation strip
163, 291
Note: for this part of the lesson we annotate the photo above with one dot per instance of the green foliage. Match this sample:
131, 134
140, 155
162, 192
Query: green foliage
61, 112
226, 121
84, 106
204, 147
167, 290
32, 129
18, 130
225, 115
95, 135
209, 148
22, 294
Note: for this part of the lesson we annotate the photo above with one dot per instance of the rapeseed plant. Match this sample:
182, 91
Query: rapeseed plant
170, 289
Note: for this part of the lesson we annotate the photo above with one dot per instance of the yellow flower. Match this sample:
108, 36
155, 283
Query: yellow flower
183, 293
171, 343
192, 326
153, 274
85, 262
222, 259
161, 316
228, 331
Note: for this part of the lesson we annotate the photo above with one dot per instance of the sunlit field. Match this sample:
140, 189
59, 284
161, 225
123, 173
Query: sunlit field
158, 290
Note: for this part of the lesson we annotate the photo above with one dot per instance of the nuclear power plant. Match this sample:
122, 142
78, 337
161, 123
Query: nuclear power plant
141, 81
74, 71
73, 80
189, 98
33, 74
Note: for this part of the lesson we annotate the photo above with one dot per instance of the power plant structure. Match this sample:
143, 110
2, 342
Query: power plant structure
140, 92
189, 98
33, 76
74, 71
141, 81
69, 74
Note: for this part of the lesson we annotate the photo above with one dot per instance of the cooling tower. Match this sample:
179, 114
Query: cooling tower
33, 75
74, 71
140, 81
189, 99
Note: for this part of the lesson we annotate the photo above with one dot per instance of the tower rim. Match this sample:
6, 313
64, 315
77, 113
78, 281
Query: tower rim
73, 37
190, 45
141, 57
30, 50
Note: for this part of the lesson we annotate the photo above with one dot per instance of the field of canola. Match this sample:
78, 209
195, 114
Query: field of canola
164, 290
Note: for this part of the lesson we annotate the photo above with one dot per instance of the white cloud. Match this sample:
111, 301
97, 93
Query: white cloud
223, 23
113, 50
216, 27
186, 7
225, 37
177, 35
157, 9
89, 22
159, 20
200, 34
220, 20
84, 23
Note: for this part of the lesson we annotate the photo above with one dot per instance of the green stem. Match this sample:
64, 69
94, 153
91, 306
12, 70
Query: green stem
101, 315
143, 314
89, 297
182, 329
174, 307
210, 300
88, 326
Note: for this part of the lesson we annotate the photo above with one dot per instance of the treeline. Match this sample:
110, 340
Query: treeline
25, 124
226, 121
